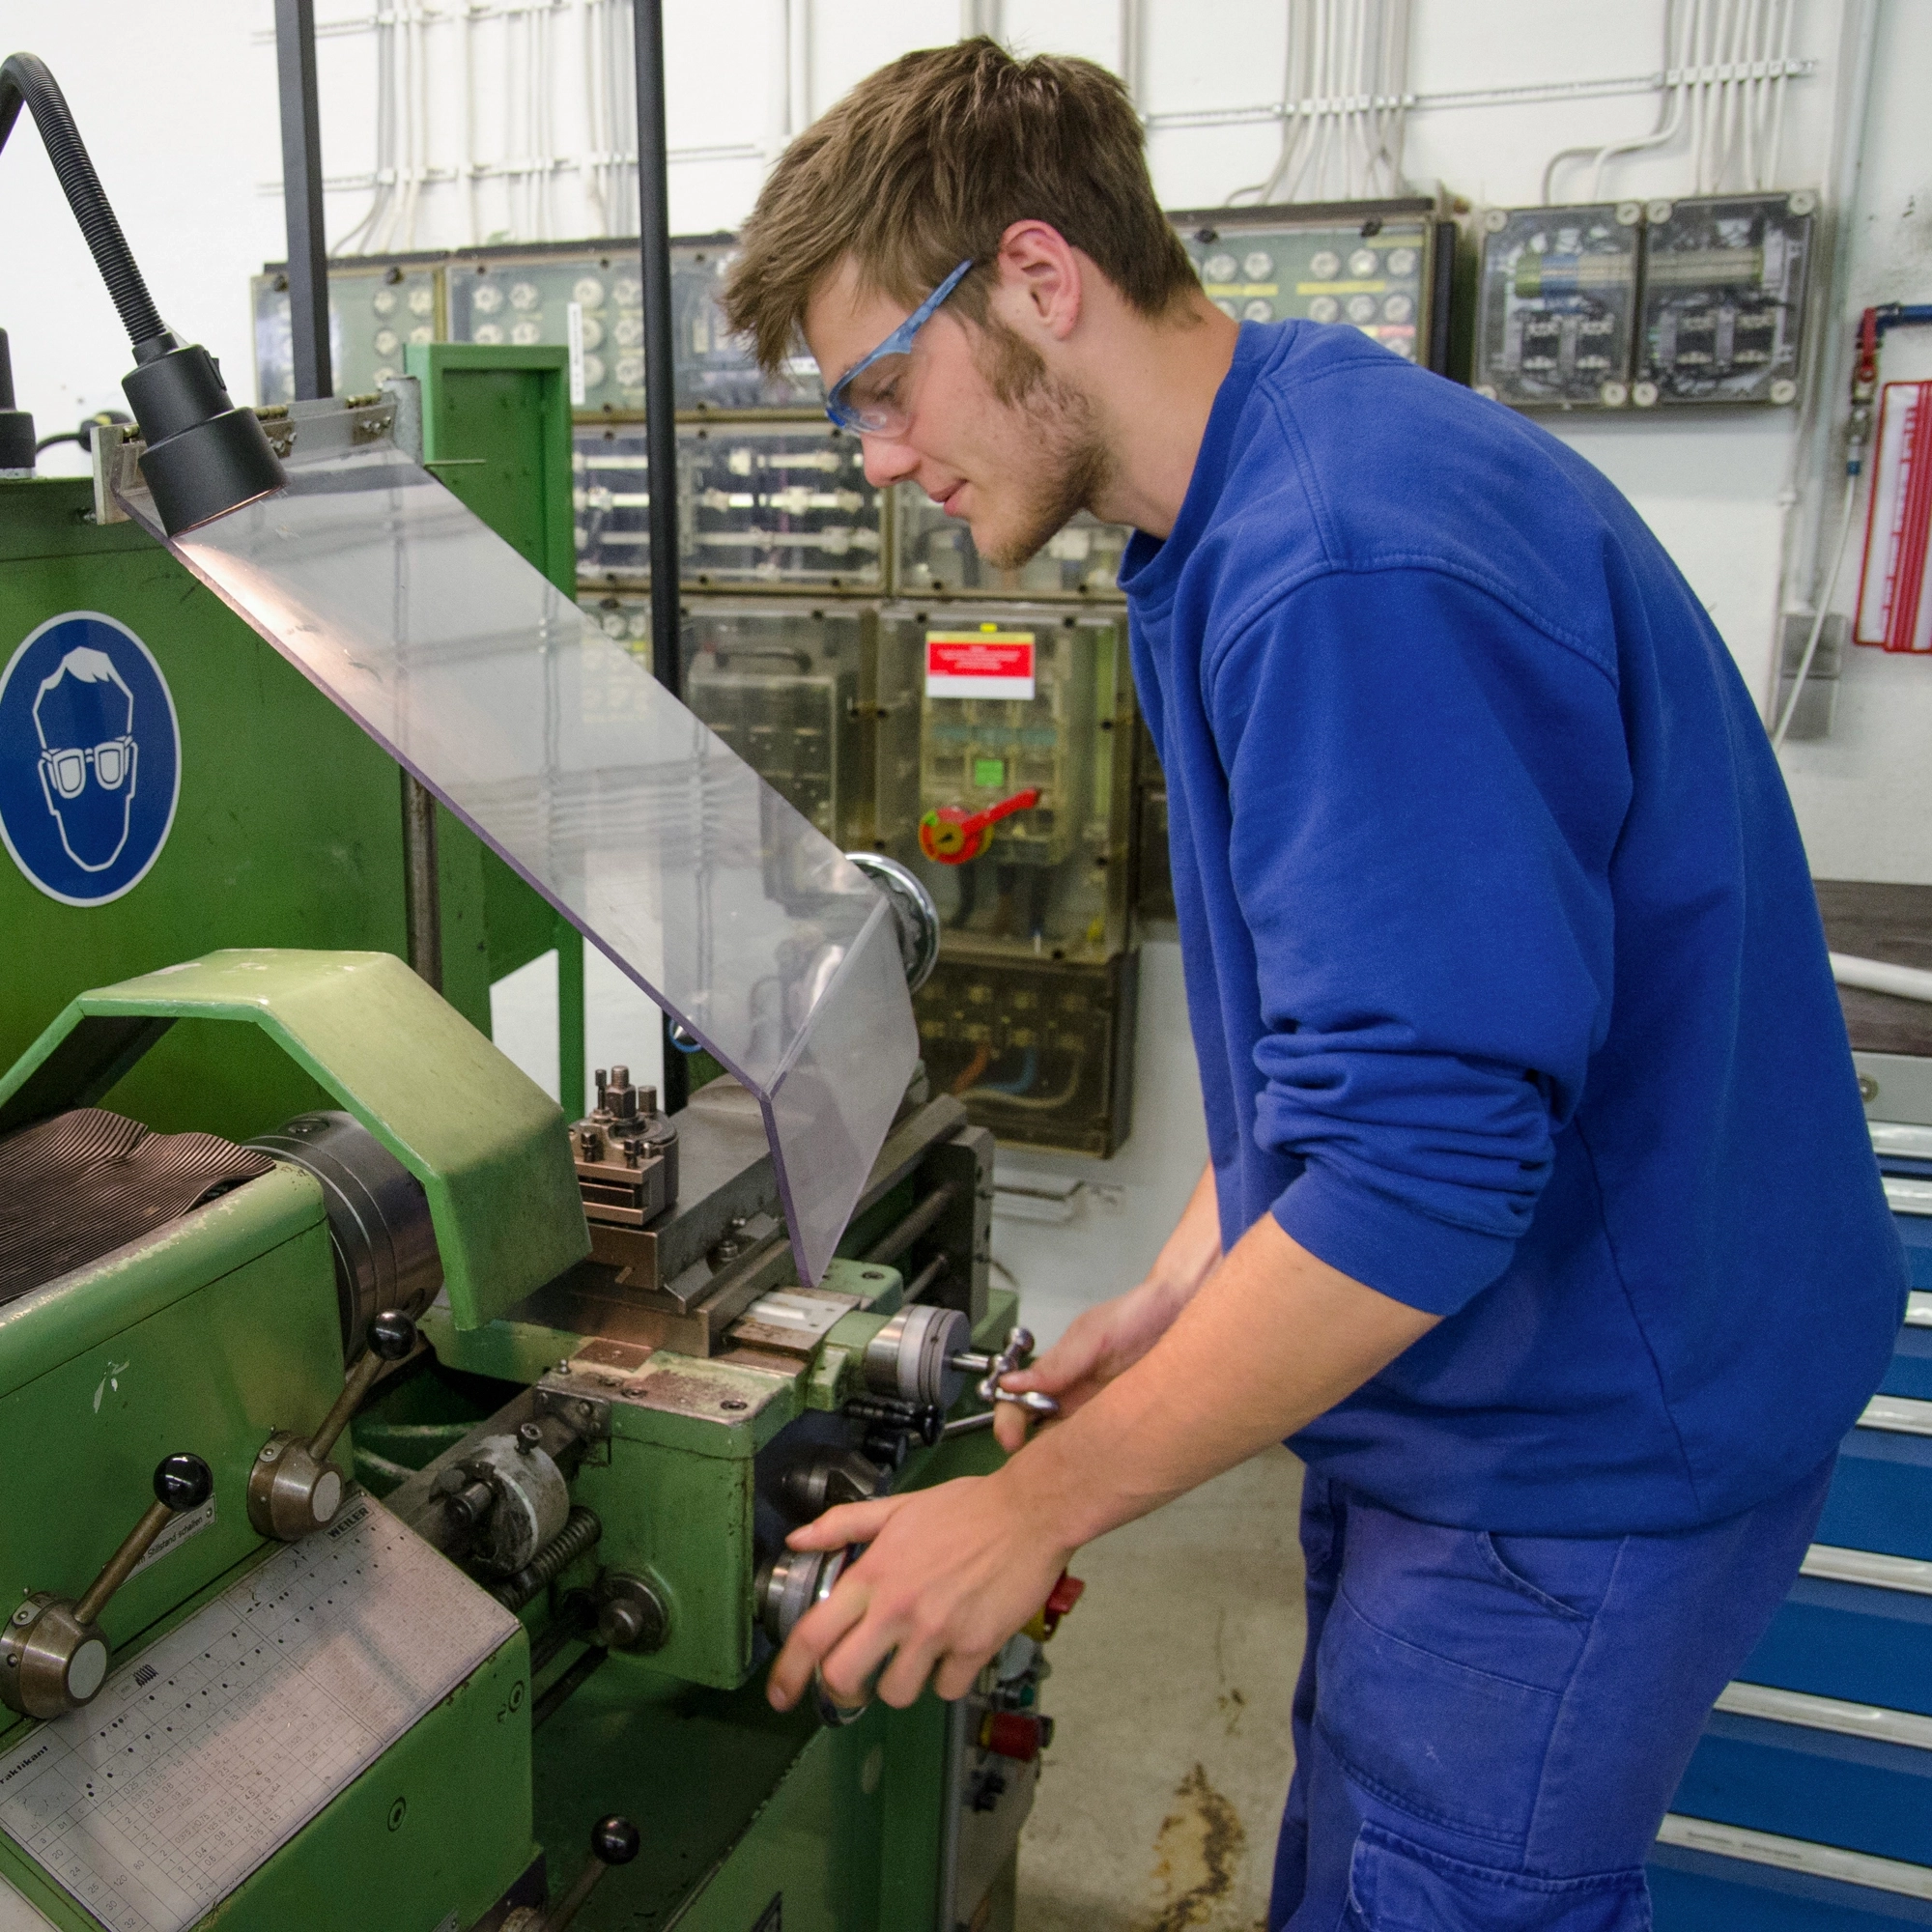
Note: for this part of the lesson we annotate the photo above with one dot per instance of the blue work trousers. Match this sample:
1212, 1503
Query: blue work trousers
1488, 1728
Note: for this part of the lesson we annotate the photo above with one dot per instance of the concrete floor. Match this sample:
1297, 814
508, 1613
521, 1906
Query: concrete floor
1159, 1800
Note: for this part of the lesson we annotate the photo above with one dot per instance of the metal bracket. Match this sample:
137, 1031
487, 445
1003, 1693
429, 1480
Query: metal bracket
114, 448
589, 1415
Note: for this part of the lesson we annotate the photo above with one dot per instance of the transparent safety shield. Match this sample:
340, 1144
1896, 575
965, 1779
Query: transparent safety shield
639, 824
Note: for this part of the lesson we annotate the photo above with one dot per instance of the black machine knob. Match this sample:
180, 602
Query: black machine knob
183, 1482
391, 1336
614, 1841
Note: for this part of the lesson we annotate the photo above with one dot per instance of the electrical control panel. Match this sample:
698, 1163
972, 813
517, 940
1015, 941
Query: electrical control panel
541, 296
934, 556
714, 370
610, 497
590, 304
1005, 760
782, 505
1041, 1051
770, 505
782, 684
1378, 267
375, 311
586, 297
1722, 306
1557, 305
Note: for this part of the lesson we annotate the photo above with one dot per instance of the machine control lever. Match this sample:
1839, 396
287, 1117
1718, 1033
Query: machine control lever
614, 1841
294, 1488
994, 1369
53, 1655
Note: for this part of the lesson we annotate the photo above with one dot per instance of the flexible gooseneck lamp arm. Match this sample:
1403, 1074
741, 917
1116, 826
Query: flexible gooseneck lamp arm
204, 456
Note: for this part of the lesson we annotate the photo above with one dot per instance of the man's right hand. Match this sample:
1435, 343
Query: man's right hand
1105, 1341
1099, 1344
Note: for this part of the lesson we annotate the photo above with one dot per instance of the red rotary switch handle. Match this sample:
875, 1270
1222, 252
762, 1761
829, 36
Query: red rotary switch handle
952, 836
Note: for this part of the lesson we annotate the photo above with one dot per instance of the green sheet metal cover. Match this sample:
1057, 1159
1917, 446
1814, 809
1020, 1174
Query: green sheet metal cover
487, 1146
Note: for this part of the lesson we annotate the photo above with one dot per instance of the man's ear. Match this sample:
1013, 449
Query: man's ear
1042, 284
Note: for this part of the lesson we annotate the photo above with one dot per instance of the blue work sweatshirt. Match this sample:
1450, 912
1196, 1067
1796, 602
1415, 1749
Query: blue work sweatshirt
1506, 977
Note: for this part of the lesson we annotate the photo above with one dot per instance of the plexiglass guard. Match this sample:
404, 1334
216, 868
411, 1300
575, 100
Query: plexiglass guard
638, 823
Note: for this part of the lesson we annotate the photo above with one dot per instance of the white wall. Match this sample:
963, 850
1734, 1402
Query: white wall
1115, 1224
178, 106
1865, 794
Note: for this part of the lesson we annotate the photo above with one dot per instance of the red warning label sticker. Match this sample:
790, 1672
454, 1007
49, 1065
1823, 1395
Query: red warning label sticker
979, 663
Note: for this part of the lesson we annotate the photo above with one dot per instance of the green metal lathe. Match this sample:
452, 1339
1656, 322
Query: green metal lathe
400, 1467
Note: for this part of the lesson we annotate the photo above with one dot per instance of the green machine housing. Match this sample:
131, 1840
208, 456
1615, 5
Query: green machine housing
572, 1447
613, 1466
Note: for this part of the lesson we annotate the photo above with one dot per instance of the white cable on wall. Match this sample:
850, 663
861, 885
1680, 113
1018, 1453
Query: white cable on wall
1133, 34
1824, 611
1343, 105
1728, 65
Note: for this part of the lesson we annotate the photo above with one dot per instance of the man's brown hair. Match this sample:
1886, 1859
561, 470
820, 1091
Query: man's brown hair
927, 162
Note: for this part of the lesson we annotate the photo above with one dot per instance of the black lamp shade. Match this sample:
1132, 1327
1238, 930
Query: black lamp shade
204, 457
17, 441
17, 426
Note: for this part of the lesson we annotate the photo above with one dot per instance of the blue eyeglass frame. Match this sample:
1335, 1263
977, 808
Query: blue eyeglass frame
898, 343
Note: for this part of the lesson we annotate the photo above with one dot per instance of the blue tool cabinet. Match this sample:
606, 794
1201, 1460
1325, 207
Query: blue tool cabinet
1807, 1803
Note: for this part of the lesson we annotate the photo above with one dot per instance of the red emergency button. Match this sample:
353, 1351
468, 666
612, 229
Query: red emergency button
1019, 1735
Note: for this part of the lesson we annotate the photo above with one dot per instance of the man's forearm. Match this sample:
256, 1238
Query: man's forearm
1272, 1339
1188, 1254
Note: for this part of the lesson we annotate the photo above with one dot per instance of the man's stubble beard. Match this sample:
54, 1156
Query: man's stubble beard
1073, 464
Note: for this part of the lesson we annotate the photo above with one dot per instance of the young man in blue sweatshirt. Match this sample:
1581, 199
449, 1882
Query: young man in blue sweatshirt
1541, 1219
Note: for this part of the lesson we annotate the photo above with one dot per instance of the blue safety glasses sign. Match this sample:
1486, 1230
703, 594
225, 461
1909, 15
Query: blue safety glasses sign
89, 758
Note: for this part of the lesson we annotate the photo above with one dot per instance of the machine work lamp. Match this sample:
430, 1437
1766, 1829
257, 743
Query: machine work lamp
204, 456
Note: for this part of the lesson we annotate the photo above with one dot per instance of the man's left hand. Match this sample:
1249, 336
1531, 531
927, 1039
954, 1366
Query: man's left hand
947, 1577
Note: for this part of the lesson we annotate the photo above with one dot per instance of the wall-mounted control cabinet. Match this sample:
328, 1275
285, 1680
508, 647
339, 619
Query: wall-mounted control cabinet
1050, 725
1556, 304
1382, 267
1636, 306
1040, 1050
1723, 308
375, 309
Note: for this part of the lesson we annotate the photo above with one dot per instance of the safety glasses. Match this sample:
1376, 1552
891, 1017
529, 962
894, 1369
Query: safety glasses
113, 765
871, 396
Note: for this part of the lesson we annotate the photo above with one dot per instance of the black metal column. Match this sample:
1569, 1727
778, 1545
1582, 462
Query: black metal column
660, 397
660, 394
302, 198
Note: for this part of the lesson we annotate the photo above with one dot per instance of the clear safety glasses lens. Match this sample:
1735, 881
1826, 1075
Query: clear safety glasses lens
872, 400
